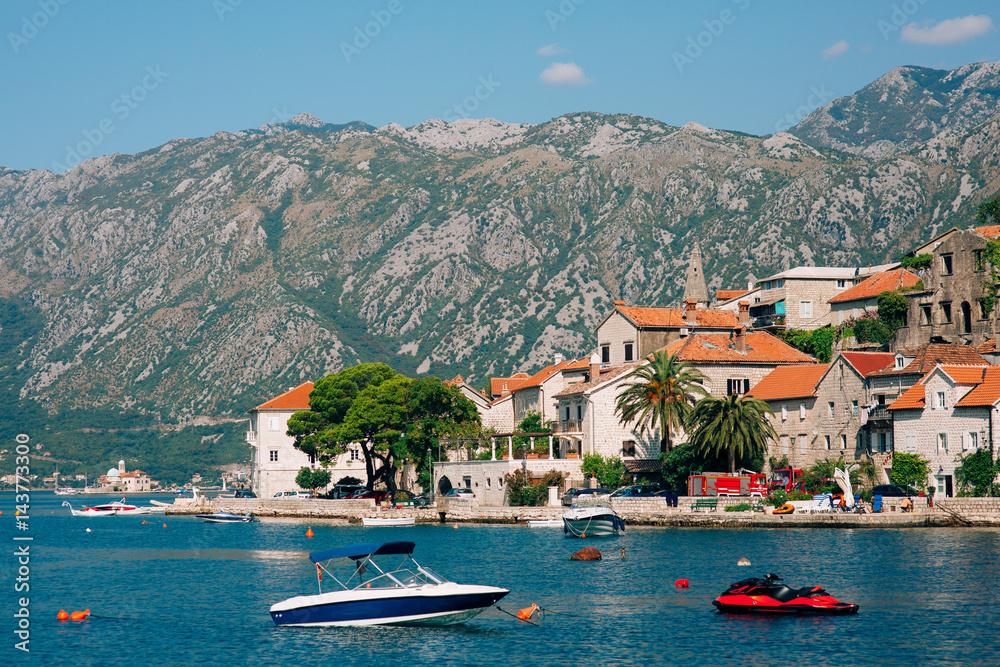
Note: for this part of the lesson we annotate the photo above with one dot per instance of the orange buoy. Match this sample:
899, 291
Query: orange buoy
164, 525
144, 522
62, 616
17, 513
681, 583
526, 613
309, 533
79, 615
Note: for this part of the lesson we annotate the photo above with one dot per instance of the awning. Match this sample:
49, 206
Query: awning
363, 550
766, 302
644, 465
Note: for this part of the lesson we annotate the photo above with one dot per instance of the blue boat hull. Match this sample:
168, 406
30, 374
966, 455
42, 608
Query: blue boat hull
409, 610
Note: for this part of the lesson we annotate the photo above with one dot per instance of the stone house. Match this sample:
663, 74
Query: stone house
730, 299
500, 387
820, 409
863, 297
536, 394
629, 333
950, 413
274, 459
799, 298
950, 307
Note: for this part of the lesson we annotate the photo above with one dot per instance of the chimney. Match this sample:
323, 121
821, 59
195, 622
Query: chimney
595, 367
741, 338
618, 302
689, 307
749, 285
744, 318
559, 358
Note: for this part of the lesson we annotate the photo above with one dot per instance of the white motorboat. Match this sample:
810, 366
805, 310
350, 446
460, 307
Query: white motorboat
116, 508
388, 521
226, 517
67, 491
592, 518
408, 594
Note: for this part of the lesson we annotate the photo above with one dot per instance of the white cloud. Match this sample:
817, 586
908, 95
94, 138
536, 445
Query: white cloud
551, 50
564, 74
836, 50
951, 31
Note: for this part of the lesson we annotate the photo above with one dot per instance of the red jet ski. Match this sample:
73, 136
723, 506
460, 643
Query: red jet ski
767, 596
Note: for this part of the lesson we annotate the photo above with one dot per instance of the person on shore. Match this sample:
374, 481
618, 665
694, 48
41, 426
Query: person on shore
906, 505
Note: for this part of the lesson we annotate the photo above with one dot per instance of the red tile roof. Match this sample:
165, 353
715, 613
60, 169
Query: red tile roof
544, 374
991, 231
761, 346
500, 385
607, 374
729, 294
872, 286
789, 382
912, 399
293, 399
674, 317
989, 347
867, 363
986, 392
929, 356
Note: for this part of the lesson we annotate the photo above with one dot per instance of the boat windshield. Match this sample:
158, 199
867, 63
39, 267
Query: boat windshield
592, 502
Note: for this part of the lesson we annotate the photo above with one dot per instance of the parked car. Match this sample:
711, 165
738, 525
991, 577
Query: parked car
293, 494
345, 490
637, 491
893, 491
377, 494
575, 494
244, 493
459, 493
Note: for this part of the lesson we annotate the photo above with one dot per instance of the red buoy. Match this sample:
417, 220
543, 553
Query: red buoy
79, 615
309, 533
62, 616
681, 583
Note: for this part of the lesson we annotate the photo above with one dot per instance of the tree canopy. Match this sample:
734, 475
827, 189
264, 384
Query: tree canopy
736, 425
391, 417
662, 393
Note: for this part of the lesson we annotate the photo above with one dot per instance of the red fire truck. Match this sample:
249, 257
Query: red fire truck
787, 479
722, 484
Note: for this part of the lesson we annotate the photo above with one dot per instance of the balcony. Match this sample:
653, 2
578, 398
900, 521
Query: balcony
252, 437
880, 413
568, 426
769, 322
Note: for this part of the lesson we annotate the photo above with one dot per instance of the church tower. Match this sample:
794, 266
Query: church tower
694, 288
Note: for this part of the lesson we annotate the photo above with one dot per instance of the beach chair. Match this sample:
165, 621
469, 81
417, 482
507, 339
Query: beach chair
876, 504
822, 502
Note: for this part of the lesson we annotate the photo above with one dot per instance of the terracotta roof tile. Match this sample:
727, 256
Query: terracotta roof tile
874, 285
991, 231
293, 399
929, 356
544, 374
761, 346
674, 317
729, 294
986, 393
964, 374
867, 363
912, 399
989, 347
607, 374
789, 382
498, 386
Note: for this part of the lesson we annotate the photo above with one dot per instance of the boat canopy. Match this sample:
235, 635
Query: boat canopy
363, 550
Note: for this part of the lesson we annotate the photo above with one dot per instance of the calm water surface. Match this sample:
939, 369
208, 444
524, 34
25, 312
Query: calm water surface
195, 592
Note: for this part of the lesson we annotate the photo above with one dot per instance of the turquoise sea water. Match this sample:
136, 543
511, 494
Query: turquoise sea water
193, 592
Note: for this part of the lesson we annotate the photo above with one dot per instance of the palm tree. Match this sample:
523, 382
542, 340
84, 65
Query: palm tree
737, 425
662, 394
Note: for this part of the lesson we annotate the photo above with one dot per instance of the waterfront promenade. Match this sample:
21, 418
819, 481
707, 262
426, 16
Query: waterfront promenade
635, 511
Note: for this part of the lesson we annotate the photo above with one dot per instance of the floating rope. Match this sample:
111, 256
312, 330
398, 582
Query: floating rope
523, 620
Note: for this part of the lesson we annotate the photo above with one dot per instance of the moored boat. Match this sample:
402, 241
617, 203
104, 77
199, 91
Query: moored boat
116, 508
408, 594
592, 519
226, 517
388, 521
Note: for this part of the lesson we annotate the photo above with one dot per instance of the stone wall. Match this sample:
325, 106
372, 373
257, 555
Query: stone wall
980, 511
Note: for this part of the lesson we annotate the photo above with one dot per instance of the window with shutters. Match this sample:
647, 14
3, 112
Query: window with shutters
628, 352
827, 438
830, 409
942, 443
579, 412
843, 441
802, 410
605, 354
803, 444
737, 386
784, 444
911, 443
784, 412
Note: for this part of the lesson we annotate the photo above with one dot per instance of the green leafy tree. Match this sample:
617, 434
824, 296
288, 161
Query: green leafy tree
312, 479
892, 309
909, 470
736, 425
661, 394
989, 211
608, 471
917, 262
437, 412
532, 423
977, 474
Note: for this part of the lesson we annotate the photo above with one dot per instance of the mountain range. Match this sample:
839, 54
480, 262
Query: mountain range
175, 289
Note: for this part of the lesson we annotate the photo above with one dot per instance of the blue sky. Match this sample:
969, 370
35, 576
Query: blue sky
129, 76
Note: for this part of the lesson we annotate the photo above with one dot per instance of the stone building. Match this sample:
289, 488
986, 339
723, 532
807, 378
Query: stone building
950, 413
799, 298
950, 308
863, 297
536, 394
820, 409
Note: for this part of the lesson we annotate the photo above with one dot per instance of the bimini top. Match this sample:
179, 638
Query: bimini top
363, 550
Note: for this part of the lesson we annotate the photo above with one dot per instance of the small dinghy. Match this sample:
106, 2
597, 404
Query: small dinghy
388, 521
226, 517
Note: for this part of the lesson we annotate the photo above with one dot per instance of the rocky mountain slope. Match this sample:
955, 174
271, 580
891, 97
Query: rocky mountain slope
904, 109
188, 283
